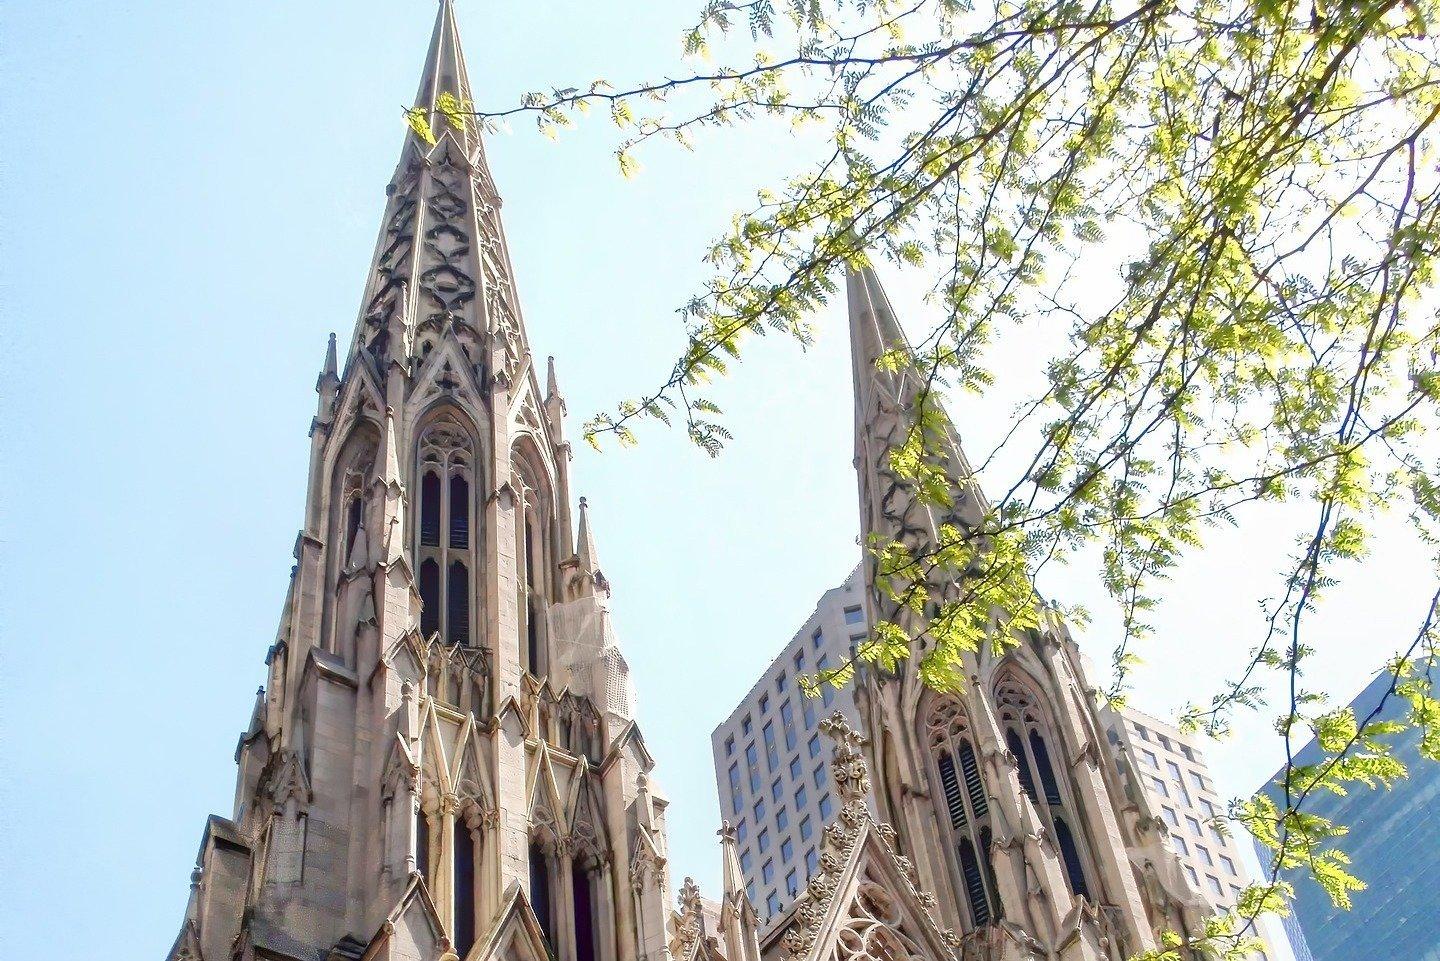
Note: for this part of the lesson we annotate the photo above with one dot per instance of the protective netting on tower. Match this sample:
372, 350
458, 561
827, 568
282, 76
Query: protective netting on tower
584, 646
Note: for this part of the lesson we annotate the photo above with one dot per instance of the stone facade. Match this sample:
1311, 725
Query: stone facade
444, 762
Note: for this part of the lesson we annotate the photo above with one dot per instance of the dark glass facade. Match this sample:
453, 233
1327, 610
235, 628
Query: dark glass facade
1394, 845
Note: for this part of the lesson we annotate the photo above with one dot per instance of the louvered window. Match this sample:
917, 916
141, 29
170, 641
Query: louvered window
987, 859
951, 784
974, 883
966, 807
430, 510
446, 531
457, 598
974, 786
459, 511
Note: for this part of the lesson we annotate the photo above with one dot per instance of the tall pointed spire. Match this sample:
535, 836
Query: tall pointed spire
886, 404
441, 269
444, 74
586, 555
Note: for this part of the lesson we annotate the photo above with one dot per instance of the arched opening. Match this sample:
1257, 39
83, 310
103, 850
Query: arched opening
963, 806
446, 535
350, 478
1028, 734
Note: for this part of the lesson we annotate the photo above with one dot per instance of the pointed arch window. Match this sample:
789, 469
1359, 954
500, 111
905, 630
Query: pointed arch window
963, 806
445, 531
1028, 735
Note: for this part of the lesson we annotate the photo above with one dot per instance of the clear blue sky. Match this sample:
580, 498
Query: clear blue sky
190, 197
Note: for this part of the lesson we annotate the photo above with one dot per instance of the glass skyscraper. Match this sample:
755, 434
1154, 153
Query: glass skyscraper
1394, 844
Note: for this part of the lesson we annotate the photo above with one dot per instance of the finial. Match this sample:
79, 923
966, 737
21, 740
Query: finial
847, 762
331, 366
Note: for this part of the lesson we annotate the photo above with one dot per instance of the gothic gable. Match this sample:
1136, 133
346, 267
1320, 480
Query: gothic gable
447, 375
547, 808
863, 903
412, 931
516, 936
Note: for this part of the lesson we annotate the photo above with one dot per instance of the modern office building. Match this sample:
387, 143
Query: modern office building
1172, 772
771, 761
1393, 844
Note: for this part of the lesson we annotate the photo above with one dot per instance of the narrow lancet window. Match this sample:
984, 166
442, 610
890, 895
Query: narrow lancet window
1047, 773
540, 892
430, 510
974, 883
459, 512
464, 888
584, 917
1070, 855
962, 802
422, 844
429, 597
447, 528
973, 784
352, 524
1017, 748
457, 595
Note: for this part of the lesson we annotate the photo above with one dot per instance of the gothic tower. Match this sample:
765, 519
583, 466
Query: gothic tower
1005, 798
444, 761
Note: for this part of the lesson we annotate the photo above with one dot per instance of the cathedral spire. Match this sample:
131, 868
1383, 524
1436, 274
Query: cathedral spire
444, 74
888, 398
441, 273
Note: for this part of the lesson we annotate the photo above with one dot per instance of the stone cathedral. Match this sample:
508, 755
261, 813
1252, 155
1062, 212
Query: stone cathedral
444, 763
